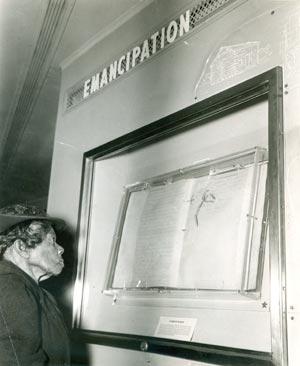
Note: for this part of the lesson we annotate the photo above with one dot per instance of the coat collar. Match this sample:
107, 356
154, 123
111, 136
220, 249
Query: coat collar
7, 268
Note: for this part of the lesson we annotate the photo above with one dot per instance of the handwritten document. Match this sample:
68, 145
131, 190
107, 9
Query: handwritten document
188, 234
126, 256
214, 244
160, 235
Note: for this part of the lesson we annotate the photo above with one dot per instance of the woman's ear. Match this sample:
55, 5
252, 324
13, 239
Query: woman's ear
21, 248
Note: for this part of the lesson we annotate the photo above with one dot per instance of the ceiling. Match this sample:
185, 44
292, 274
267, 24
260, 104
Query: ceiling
36, 38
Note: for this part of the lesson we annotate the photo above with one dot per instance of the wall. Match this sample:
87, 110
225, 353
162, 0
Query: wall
234, 46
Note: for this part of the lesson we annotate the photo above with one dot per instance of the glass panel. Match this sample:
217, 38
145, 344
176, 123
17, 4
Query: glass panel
199, 227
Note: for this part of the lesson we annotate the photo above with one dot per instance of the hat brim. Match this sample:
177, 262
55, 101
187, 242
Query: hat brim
7, 221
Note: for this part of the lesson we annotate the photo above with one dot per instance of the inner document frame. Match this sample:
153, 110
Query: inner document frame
233, 165
267, 86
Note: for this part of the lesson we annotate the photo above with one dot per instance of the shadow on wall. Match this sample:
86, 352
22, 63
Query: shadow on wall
61, 288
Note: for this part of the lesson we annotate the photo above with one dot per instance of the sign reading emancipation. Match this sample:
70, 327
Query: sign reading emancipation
138, 54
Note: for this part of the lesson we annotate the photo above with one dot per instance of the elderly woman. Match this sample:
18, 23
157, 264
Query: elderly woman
32, 330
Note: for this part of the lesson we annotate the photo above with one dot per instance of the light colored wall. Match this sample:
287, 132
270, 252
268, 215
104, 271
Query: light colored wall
244, 42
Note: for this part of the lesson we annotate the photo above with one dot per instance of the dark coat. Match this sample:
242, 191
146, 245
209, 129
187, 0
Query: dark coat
32, 330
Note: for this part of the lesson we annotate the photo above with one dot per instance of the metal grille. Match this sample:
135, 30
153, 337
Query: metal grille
205, 9
75, 97
198, 14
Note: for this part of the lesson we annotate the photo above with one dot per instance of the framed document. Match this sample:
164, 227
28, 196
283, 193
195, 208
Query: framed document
166, 235
181, 232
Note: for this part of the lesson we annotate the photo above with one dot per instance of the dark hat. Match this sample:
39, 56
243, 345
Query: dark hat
14, 214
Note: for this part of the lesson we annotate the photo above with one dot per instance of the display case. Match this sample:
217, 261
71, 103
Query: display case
180, 232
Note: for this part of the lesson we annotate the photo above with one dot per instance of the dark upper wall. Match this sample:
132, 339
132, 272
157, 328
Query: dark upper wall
27, 177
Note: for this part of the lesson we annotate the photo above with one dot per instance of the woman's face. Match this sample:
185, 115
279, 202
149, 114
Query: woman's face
46, 258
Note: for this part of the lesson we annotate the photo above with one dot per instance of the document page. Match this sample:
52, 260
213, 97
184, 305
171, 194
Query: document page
126, 255
214, 243
160, 234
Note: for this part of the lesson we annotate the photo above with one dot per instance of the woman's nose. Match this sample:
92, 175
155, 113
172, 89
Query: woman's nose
60, 249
